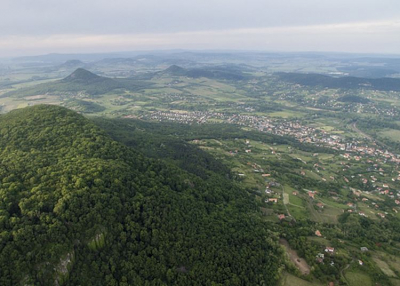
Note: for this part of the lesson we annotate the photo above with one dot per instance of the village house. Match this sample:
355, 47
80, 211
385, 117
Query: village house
381, 215
330, 250
384, 192
318, 233
274, 184
320, 257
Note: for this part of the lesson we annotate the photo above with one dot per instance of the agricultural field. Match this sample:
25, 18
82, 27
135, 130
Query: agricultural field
391, 134
312, 188
291, 280
256, 165
358, 278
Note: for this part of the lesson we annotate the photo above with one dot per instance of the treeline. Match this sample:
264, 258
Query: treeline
373, 126
84, 106
385, 84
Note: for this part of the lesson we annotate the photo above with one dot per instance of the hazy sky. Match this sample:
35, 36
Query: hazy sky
69, 26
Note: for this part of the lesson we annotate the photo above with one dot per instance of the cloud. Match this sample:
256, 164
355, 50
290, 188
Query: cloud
44, 17
362, 37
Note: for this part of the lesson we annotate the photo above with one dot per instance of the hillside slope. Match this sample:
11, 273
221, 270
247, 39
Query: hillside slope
79, 208
80, 81
385, 84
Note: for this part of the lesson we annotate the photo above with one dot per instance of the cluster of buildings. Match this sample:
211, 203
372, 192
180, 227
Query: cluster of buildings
352, 150
184, 117
355, 150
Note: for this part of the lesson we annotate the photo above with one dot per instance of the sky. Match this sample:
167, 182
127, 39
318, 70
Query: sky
31, 27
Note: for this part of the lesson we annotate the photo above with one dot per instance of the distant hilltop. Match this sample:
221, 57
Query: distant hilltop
81, 75
72, 64
81, 80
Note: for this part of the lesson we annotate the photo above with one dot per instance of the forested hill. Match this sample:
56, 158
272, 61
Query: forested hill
80, 81
385, 84
78, 208
83, 76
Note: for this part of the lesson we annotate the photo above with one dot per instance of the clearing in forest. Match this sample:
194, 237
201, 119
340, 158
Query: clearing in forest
300, 263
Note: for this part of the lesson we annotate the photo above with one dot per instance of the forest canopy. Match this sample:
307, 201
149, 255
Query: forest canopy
78, 207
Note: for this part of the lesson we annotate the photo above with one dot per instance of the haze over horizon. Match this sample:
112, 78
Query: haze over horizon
39, 27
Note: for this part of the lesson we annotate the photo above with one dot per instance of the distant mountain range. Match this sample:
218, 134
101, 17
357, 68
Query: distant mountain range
384, 84
357, 65
84, 81
72, 64
219, 72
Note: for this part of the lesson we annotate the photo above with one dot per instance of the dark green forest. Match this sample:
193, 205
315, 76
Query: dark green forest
348, 82
79, 208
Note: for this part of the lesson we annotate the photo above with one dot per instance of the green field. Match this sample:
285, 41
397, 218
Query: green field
290, 280
298, 213
391, 134
320, 240
358, 278
384, 267
287, 114
395, 282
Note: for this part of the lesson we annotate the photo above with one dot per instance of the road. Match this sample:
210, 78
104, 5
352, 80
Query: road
344, 269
